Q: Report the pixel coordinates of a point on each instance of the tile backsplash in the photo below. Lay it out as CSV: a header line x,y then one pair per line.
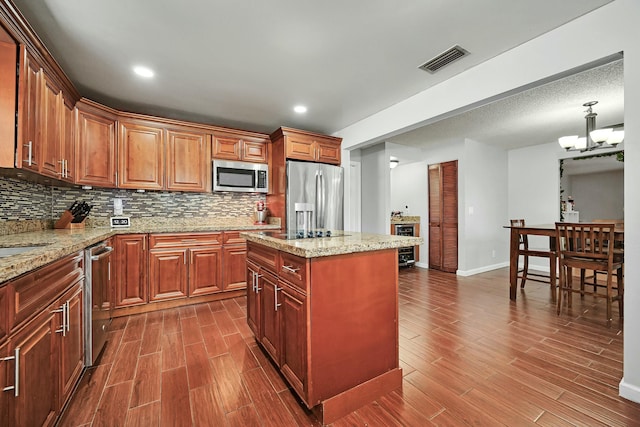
x,y
25,201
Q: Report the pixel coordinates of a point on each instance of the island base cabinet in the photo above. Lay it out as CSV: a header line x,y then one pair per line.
x,y
329,323
6,372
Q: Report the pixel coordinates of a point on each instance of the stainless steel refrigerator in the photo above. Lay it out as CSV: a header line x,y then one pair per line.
x,y
317,188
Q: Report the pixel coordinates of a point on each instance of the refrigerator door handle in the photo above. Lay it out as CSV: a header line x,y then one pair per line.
x,y
320,207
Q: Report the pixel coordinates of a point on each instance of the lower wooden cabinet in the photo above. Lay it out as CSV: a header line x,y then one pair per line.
x,y
47,349
130,261
293,311
205,271
235,260
167,274
269,315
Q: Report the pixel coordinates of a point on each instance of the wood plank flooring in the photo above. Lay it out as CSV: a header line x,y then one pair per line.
x,y
469,356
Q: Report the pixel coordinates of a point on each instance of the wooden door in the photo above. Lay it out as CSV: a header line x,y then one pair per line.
x,y
270,314
71,343
300,148
37,403
49,128
167,274
227,147
327,152
294,337
443,216
67,144
253,299
234,263
254,151
6,366
205,271
188,161
95,149
140,156
28,121
8,96
130,269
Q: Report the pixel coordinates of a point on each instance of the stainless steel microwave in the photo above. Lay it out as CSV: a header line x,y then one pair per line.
x,y
240,176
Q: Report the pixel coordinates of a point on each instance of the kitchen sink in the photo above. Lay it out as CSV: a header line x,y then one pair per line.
x,y
5,252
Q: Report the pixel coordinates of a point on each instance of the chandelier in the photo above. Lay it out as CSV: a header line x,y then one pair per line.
x,y
595,138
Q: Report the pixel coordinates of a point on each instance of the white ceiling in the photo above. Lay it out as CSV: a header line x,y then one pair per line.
x,y
246,64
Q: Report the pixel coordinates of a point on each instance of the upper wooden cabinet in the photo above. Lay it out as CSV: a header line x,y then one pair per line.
x,y
29,148
301,145
9,91
141,151
95,140
188,166
245,148
48,136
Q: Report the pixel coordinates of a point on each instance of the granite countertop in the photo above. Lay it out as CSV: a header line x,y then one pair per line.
x,y
326,246
405,220
55,244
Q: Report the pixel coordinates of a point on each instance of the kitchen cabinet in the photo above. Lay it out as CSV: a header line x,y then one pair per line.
x,y
188,165
184,265
243,148
28,143
141,152
95,142
45,341
130,261
49,137
443,216
9,60
329,324
302,145
234,255
4,314
67,145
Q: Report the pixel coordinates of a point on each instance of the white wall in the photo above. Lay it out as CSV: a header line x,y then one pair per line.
x,y
376,212
569,47
486,244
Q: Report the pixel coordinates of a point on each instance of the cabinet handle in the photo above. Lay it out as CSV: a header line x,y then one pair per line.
x,y
275,299
61,173
68,317
109,270
290,268
30,145
16,372
63,328
184,257
66,168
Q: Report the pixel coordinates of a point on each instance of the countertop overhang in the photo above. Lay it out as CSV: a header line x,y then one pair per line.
x,y
351,242
55,244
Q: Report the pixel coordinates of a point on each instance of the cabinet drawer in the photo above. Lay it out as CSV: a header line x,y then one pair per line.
x,y
234,238
34,291
177,240
265,257
293,269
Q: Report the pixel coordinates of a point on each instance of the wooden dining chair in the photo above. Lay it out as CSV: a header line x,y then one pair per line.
x,y
589,246
619,247
526,252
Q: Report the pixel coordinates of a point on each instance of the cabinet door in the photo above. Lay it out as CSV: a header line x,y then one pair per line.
x,y
270,297
253,299
37,402
227,147
294,337
254,151
328,153
234,261
67,146
130,269
205,271
300,148
95,150
71,342
167,274
6,380
140,157
188,161
49,128
30,78
4,314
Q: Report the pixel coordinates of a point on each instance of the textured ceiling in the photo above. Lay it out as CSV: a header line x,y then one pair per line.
x,y
246,64
534,116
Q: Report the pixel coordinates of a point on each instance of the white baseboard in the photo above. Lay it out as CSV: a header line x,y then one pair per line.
x,y
629,391
484,269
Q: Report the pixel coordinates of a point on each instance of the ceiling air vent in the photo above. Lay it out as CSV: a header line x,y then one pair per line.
x,y
445,58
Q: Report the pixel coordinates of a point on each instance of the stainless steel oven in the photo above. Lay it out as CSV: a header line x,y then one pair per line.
x,y
98,305
407,255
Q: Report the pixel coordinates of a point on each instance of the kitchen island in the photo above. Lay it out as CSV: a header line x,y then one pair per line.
x,y
326,312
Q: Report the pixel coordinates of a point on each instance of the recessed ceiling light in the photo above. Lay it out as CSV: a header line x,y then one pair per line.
x,y
300,109
143,71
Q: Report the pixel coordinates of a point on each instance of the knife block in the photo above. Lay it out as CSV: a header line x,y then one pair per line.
x,y
64,222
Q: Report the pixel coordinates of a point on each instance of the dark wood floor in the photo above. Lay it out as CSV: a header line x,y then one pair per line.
x,y
469,357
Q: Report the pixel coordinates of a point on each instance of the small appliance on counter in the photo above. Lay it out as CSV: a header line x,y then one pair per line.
x,y
74,216
260,213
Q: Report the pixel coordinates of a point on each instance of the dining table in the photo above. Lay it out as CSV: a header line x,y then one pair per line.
x,y
548,230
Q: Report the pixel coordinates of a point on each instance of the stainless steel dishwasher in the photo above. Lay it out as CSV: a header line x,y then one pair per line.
x,y
98,305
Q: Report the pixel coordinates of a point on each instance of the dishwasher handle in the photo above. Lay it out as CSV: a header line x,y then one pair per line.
x,y
107,250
